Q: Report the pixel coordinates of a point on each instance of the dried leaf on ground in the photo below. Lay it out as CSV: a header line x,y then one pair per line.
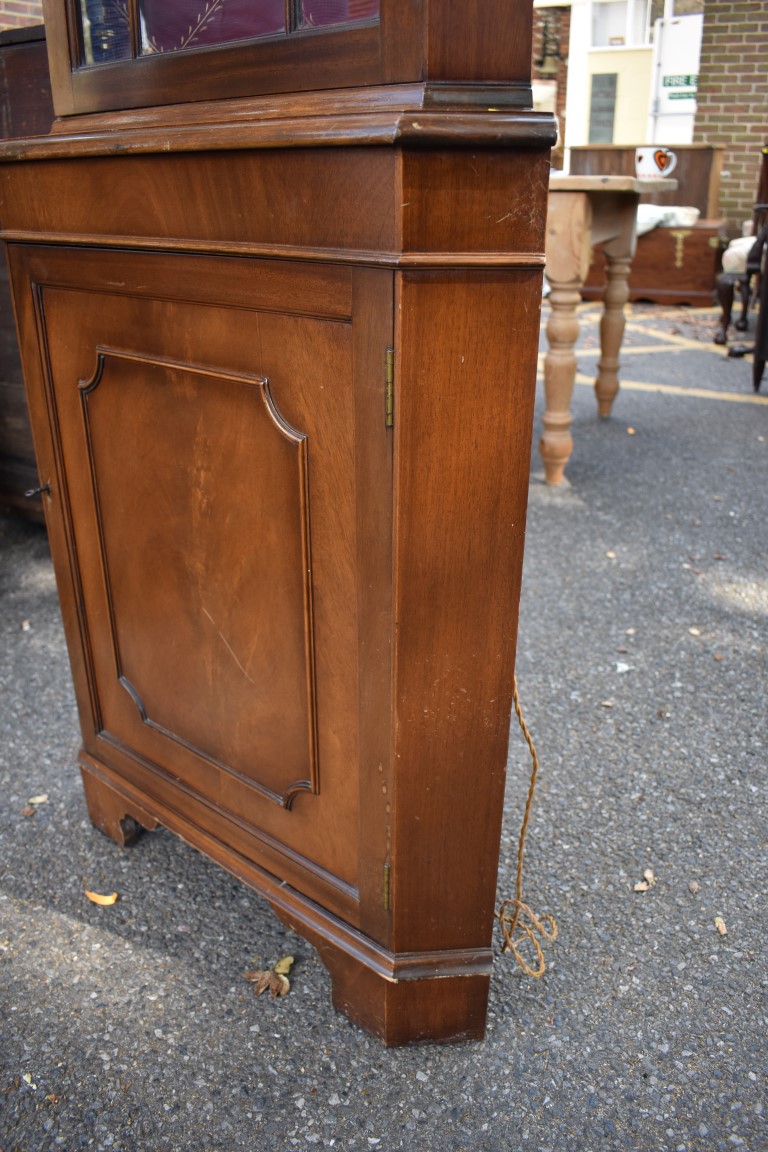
x,y
646,883
29,810
720,925
98,898
274,980
41,799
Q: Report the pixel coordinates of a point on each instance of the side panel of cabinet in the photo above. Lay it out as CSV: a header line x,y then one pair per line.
x,y
464,407
222,557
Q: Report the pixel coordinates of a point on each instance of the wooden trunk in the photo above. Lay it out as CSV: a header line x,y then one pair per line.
x,y
281,361
671,265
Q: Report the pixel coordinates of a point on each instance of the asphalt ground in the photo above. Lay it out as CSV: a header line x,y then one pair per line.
x,y
643,673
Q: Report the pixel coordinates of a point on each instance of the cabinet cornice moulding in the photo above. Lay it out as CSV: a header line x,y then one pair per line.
x,y
414,116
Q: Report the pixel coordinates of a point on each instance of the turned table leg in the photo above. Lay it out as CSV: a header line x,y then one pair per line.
x,y
611,330
556,443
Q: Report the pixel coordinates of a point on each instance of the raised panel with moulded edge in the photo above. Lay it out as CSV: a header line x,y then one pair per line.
x,y
207,455
227,617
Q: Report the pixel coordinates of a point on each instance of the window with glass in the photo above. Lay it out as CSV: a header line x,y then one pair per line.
x,y
620,23
115,30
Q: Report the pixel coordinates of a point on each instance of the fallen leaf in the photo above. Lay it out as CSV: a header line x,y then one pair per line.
x,y
695,631
694,886
647,881
277,984
42,799
97,898
27,1078
717,656
284,966
52,1099
28,811
720,925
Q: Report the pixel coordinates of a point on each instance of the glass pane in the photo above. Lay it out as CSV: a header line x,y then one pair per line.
x,y
640,30
321,13
173,25
609,23
31,15
106,34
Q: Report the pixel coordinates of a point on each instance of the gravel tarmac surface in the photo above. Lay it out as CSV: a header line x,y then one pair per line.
x,y
643,672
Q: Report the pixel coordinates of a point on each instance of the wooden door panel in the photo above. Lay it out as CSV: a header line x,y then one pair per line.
x,y
210,455
227,625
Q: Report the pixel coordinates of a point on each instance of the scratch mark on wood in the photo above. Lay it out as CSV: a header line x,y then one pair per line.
x,y
228,647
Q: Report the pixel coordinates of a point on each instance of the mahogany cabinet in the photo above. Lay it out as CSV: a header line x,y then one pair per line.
x,y
280,352
25,110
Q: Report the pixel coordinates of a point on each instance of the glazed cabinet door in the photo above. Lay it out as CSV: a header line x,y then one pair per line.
x,y
213,432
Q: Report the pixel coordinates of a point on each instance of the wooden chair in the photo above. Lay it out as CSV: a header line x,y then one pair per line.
x,y
744,273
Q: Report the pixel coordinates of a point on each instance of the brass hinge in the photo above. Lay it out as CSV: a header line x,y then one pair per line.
x,y
389,393
386,887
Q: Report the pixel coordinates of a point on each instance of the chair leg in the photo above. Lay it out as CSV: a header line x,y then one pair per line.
x,y
741,323
724,286
758,368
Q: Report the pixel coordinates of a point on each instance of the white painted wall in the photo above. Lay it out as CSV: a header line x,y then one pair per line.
x,y
676,52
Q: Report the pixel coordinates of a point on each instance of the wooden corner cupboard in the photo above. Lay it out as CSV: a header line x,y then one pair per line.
x,y
277,284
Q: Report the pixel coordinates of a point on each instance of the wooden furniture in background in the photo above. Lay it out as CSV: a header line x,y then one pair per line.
x,y
697,174
583,211
26,109
671,265
279,336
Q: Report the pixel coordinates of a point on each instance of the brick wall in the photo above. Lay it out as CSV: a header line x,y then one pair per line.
x,y
558,21
732,103
20,13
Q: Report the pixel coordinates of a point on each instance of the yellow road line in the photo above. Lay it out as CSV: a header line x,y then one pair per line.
x,y
640,349
673,338
674,390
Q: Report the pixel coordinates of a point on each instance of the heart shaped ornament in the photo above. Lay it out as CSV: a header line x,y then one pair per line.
x,y
653,162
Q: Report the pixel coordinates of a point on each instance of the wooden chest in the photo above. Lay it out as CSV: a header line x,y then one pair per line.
x,y
671,265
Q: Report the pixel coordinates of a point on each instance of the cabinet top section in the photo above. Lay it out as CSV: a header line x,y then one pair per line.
x,y
112,55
